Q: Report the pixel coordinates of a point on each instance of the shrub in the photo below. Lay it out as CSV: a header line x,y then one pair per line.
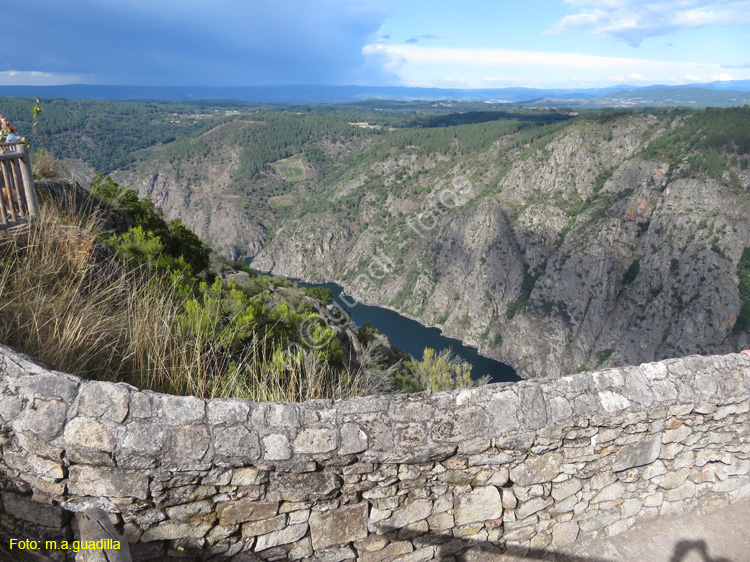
x,y
631,273
436,372
45,166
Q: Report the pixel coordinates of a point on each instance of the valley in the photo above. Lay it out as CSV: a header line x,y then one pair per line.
x,y
553,240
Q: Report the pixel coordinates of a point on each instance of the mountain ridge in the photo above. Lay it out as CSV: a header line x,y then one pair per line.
x,y
605,240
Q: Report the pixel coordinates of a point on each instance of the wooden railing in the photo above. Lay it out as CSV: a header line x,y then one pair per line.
x,y
18,200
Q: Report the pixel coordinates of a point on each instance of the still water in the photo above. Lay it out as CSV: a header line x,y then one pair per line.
x,y
413,337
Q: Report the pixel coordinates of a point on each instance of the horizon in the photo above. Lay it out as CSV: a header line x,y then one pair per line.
x,y
537,44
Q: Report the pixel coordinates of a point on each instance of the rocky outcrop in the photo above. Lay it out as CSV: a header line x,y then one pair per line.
x,y
478,472
565,253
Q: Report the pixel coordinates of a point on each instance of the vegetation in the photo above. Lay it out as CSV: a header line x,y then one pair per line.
x,y
631,273
436,372
743,272
707,138
45,165
144,307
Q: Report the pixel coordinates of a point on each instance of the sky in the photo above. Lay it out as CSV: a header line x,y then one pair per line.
x,y
427,43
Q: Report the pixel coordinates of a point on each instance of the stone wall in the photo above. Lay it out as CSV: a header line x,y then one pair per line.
x,y
446,476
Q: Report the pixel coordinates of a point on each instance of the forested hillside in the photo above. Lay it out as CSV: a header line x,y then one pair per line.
x,y
556,244
552,240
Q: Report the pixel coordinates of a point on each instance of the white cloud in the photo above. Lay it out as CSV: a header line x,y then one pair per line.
x,y
471,67
38,78
632,21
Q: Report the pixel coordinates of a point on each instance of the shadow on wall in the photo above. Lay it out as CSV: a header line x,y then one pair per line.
x,y
684,549
446,548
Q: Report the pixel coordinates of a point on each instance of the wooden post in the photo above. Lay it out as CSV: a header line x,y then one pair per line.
x,y
28,182
3,216
8,179
95,526
23,208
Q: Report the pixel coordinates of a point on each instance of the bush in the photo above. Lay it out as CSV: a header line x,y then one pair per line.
x,y
631,273
45,166
155,326
436,372
743,273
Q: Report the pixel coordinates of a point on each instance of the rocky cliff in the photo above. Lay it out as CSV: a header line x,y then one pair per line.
x,y
596,241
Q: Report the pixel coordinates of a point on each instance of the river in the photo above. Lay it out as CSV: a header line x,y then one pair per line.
x,y
413,337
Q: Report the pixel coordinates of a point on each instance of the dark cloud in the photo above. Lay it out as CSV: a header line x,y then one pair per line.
x,y
428,36
230,42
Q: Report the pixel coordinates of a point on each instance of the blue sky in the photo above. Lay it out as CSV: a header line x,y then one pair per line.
x,y
433,43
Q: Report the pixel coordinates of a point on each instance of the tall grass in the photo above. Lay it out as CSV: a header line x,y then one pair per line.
x,y
64,302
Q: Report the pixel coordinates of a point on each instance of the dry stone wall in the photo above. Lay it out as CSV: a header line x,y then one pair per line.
x,y
465,475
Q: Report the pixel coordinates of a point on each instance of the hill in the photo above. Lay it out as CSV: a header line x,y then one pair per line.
x,y
555,244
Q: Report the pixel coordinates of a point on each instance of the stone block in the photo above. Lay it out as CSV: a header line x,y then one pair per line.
x,y
391,552
536,470
42,418
187,446
26,509
143,438
107,482
243,510
54,385
406,515
104,400
481,504
503,413
248,476
565,489
169,530
677,434
685,491
178,410
228,411
263,526
315,441
460,424
560,410
640,453
532,411
90,433
190,510
353,439
288,535
276,447
612,402
338,526
283,415
27,463
532,506
236,443
306,486
599,520
671,480
610,493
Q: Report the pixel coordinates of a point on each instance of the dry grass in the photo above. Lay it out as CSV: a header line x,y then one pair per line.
x,y
92,317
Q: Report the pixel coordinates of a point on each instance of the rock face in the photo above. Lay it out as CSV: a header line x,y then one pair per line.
x,y
469,473
570,253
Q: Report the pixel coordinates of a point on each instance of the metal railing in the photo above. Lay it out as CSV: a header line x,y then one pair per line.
x,y
18,200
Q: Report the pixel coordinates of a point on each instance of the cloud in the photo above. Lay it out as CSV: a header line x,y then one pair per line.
x,y
429,36
234,42
633,21
37,78
429,66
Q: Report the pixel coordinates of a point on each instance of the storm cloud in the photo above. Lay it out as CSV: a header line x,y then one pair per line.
x,y
170,42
